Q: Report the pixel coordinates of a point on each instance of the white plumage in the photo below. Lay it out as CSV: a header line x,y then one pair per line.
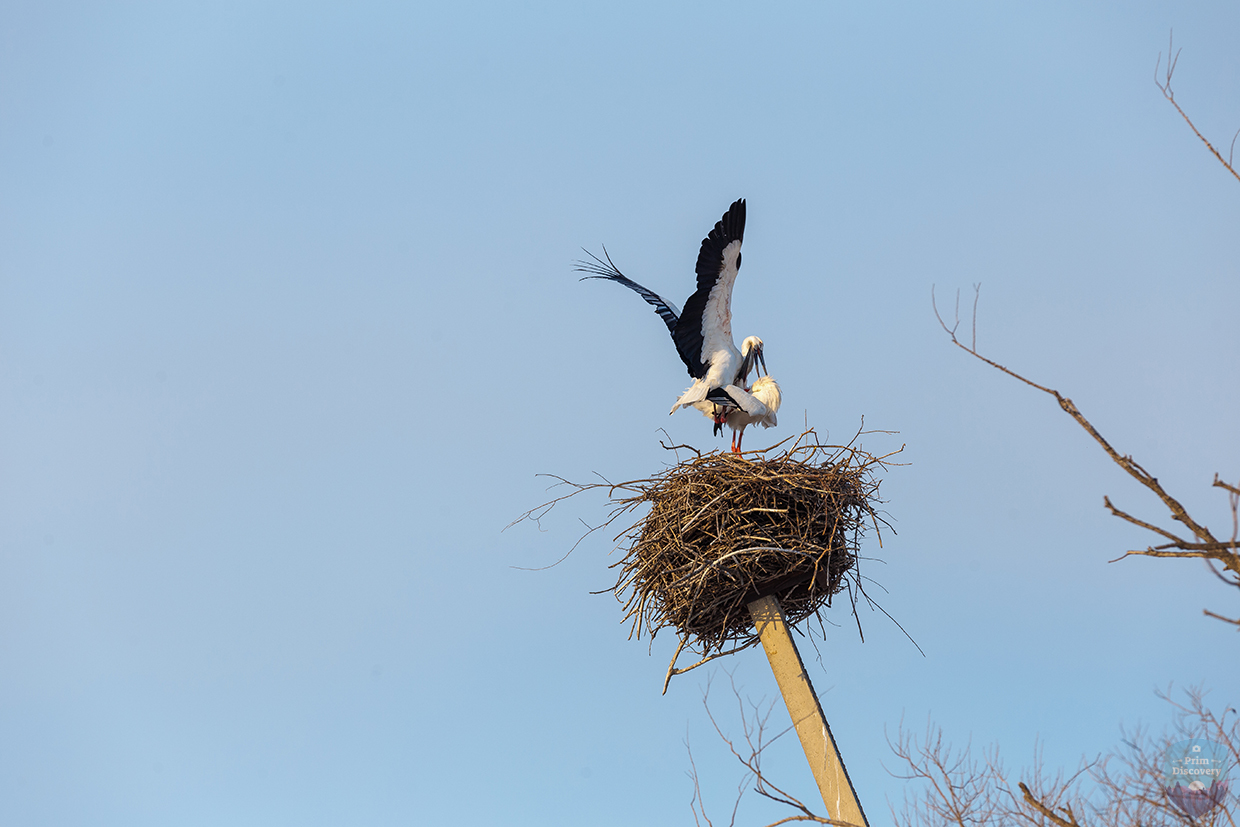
x,y
703,331
766,391
740,399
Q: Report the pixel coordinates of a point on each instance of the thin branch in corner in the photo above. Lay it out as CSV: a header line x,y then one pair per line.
x,y
1204,544
1164,86
754,719
1123,787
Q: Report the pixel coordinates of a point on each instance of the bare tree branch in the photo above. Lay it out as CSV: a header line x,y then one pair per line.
x,y
1233,621
1204,544
1164,86
755,719
1125,788
1037,804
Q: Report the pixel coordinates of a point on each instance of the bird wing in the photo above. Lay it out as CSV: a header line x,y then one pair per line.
x,y
742,399
600,269
705,326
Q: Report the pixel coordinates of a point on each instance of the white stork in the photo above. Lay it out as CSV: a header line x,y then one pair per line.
x,y
765,390
703,332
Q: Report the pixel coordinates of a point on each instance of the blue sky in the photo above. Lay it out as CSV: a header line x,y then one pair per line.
x,y
288,327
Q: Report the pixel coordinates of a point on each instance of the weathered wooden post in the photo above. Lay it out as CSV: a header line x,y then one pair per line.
x,y
811,724
723,528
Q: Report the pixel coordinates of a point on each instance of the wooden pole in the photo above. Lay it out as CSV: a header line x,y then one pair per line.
x,y
812,728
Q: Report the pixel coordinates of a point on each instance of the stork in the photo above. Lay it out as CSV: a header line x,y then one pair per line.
x,y
766,391
702,333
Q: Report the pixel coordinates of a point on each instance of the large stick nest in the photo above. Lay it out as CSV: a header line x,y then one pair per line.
x,y
724,529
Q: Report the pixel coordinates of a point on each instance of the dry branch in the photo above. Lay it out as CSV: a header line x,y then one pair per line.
x,y
754,719
1128,787
1164,86
1204,544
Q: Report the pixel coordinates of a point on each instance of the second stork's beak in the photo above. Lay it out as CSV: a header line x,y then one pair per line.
x,y
752,350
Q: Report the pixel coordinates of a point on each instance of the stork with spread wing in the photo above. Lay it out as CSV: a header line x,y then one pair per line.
x,y
702,332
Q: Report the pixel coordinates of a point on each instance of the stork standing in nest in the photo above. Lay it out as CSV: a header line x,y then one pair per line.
x,y
702,333
766,391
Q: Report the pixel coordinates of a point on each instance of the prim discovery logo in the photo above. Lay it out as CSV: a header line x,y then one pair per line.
x,y
1195,778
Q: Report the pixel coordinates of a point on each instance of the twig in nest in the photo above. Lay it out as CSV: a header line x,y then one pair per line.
x,y
725,529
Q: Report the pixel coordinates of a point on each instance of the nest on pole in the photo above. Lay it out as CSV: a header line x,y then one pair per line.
x,y
724,529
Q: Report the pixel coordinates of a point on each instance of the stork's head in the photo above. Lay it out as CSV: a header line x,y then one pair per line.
x,y
751,354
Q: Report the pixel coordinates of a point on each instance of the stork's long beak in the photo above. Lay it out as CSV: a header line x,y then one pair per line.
x,y
762,361
751,358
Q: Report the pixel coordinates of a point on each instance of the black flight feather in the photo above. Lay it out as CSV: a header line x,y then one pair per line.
x,y
600,269
720,396
688,334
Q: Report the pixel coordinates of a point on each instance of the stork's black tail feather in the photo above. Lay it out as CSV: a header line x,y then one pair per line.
x,y
722,398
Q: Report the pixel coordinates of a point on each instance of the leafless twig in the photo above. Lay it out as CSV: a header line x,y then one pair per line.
x,y
755,719
1125,788
1164,86
949,786
1204,544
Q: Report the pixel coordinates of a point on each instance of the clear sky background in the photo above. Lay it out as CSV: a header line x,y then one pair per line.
x,y
288,326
